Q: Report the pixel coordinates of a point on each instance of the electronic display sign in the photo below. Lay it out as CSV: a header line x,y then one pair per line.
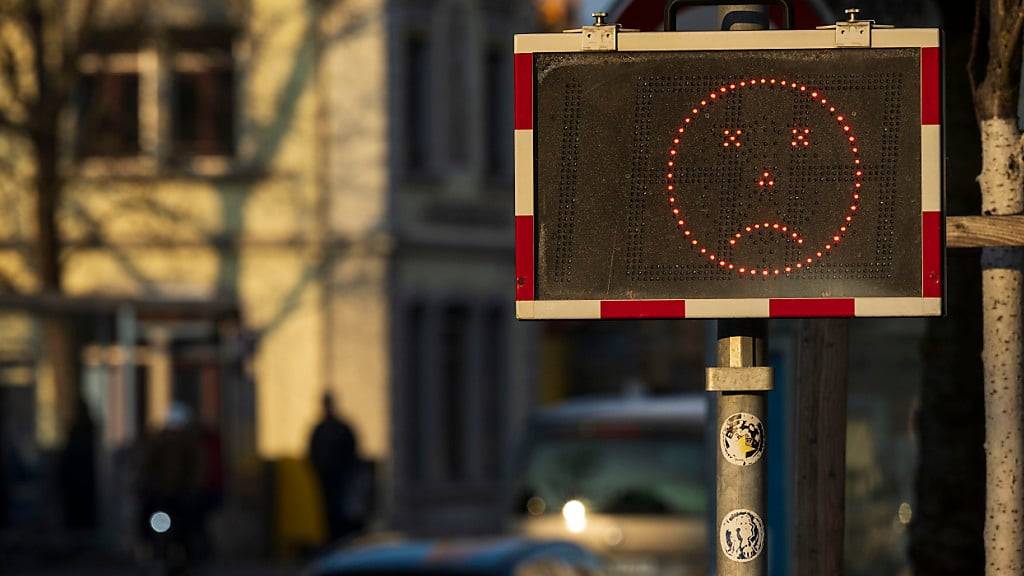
x,y
729,174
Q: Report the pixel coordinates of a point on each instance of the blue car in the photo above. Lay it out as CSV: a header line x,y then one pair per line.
x,y
496,557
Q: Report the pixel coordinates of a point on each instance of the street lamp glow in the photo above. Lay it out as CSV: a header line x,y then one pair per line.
x,y
575,515
160,522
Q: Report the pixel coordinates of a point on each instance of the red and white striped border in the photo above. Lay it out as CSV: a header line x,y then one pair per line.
x,y
722,308
930,303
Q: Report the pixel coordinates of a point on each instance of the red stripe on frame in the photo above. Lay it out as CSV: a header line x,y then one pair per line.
x,y
643,309
524,257
931,97
931,254
524,91
810,307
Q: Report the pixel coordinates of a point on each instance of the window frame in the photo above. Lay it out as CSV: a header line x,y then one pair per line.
x,y
156,59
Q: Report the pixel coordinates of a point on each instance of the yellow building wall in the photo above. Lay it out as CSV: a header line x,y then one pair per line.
x,y
263,229
354,91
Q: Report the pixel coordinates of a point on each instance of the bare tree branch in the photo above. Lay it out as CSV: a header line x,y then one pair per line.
x,y
85,24
1015,31
12,125
996,95
7,284
975,33
81,34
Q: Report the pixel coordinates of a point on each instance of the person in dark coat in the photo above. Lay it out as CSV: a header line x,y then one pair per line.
x,y
78,470
171,481
332,452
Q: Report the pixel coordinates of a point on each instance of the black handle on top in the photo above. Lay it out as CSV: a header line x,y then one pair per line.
x,y
672,6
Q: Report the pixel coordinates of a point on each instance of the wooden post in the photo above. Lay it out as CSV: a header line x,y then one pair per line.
x,y
820,447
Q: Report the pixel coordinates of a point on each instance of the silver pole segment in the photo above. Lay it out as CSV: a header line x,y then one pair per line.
x,y
741,381
741,514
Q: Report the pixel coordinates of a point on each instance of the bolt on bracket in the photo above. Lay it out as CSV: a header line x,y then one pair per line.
x,y
853,33
601,36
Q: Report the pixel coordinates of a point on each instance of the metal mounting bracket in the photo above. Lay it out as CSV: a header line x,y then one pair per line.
x,y
750,379
853,33
600,37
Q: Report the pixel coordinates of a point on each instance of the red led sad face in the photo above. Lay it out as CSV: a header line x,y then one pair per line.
x,y
786,158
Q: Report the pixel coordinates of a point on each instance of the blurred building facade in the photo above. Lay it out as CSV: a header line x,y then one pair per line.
x,y
270,199
462,369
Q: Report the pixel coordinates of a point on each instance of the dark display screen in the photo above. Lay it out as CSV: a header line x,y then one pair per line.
x,y
728,174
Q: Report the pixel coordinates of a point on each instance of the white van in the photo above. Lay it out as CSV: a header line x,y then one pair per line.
x,y
626,477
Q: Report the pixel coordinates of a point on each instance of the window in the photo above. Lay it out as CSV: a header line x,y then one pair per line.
x,y
124,90
458,84
203,95
415,342
493,385
498,112
108,106
417,104
650,472
455,322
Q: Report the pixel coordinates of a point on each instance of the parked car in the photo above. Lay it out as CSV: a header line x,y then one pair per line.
x,y
625,477
492,557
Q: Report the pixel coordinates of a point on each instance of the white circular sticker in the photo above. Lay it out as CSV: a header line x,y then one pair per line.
x,y
742,439
742,535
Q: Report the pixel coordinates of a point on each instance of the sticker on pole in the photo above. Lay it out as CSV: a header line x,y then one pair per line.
x,y
742,535
742,439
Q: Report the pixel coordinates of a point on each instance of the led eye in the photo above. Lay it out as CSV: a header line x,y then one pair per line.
x,y
732,137
799,137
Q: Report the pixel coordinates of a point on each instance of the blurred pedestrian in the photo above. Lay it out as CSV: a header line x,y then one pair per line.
x,y
3,466
172,484
332,451
213,470
77,470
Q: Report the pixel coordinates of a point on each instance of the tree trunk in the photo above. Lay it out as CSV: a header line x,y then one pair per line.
x,y
57,331
1002,192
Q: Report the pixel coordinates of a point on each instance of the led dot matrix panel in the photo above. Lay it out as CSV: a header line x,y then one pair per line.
x,y
753,174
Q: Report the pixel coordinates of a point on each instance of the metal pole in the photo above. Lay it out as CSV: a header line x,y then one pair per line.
x,y
741,379
741,513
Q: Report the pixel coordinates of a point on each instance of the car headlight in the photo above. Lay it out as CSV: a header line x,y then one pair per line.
x,y
575,515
